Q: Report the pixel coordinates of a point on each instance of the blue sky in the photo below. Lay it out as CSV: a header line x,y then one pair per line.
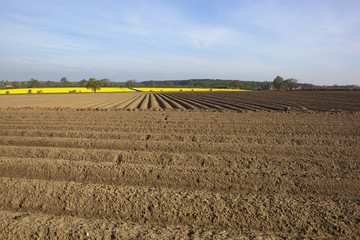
x,y
314,41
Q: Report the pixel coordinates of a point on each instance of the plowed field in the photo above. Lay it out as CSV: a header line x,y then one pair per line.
x,y
226,165
237,101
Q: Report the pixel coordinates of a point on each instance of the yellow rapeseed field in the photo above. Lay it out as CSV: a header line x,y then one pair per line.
x,y
105,89
63,90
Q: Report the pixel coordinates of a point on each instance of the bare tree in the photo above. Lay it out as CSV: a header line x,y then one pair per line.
x,y
130,83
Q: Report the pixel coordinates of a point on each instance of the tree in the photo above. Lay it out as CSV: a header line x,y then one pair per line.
x,y
94,84
278,83
6,83
169,84
236,84
83,83
15,84
291,83
151,83
130,83
23,84
33,83
64,81
106,82
50,83
190,83
205,84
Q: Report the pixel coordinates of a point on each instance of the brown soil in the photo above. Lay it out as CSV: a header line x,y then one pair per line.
x,y
68,171
238,101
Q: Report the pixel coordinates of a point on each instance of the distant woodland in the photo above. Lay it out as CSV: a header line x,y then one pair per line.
x,y
277,84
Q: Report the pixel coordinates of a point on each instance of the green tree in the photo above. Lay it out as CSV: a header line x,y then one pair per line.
x,y
83,83
236,84
151,83
33,83
205,84
6,83
15,84
106,82
169,84
94,84
190,83
291,83
23,84
50,83
130,83
278,83
64,82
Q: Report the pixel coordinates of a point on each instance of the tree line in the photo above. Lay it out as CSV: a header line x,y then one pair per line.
x,y
277,84
190,83
34,83
207,83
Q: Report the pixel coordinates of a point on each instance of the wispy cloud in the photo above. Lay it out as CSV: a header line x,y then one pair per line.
x,y
22,37
208,37
159,39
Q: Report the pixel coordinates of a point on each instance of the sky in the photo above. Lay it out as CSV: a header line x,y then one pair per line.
x,y
314,41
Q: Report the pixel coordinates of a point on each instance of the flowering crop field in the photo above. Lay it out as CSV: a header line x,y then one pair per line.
x,y
180,165
107,89
62,90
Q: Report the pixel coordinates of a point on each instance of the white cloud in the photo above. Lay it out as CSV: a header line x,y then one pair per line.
x,y
22,37
160,39
209,37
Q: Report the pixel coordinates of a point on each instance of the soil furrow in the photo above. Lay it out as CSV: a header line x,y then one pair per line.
x,y
214,104
26,225
194,103
327,101
181,207
180,147
73,154
225,106
162,103
172,127
320,184
153,103
235,162
173,104
135,103
248,105
245,138
93,166
124,102
145,102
